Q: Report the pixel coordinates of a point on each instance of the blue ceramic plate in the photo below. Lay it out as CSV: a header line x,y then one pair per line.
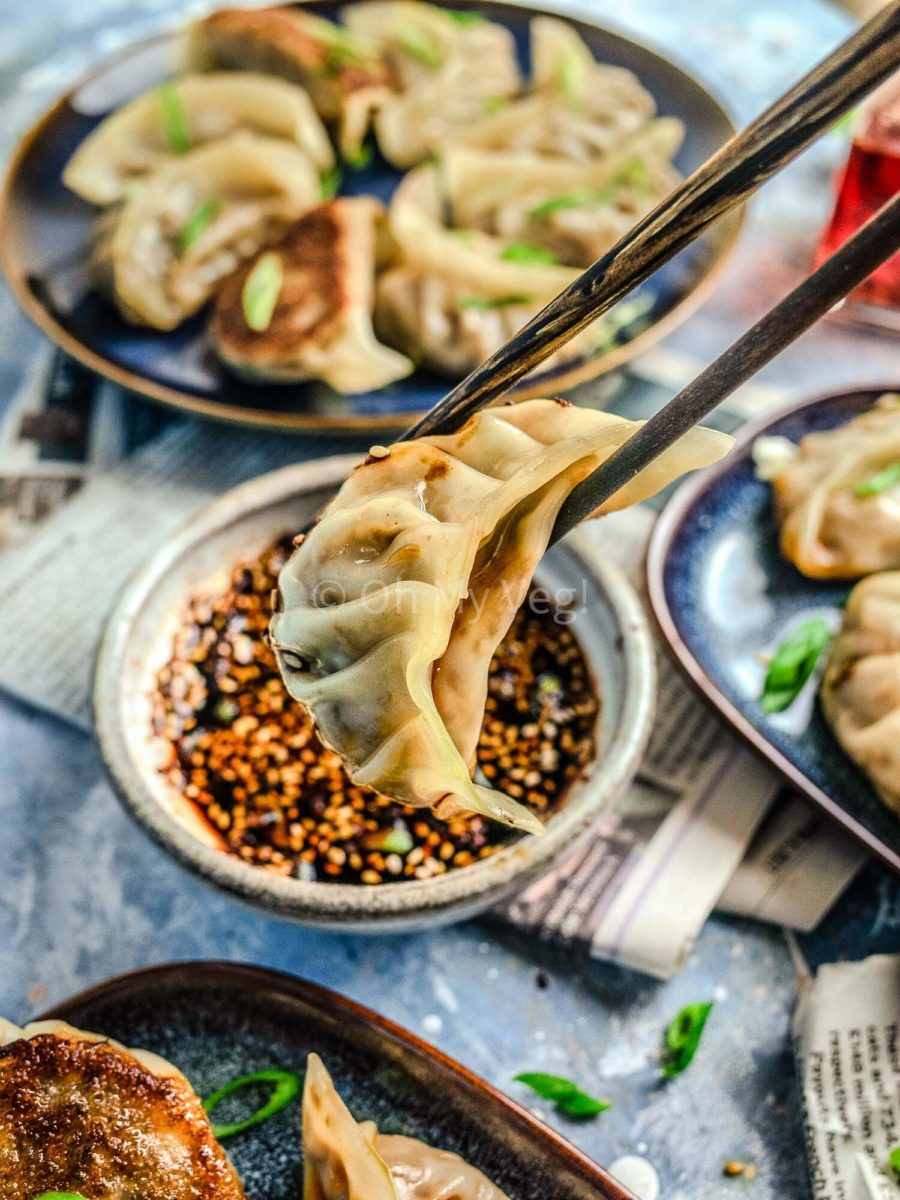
x,y
723,598
218,1021
45,236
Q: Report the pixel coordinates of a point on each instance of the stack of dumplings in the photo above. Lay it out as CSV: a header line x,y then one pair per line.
x,y
512,187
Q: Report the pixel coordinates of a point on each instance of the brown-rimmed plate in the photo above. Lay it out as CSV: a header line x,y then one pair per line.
x,y
45,235
217,1021
723,598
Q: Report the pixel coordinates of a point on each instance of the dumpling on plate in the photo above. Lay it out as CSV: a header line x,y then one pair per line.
x,y
176,117
341,70
837,495
860,690
392,606
577,108
445,66
346,1160
196,219
80,1113
572,212
319,319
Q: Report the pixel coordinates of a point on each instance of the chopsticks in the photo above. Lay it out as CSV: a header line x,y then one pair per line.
x,y
871,245
724,181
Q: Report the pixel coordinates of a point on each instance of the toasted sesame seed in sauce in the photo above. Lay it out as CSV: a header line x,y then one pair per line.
x,y
246,754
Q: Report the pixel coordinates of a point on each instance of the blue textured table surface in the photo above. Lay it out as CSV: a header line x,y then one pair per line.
x,y
84,895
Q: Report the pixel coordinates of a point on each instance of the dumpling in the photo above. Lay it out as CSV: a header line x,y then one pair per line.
x,y
578,109
860,689
837,496
321,324
445,66
341,70
391,608
572,212
344,1160
80,1113
169,120
196,219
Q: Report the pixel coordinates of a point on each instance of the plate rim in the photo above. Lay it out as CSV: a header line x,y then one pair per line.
x,y
347,424
658,549
250,977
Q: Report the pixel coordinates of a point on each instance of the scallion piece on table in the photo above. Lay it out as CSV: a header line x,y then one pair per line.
x,y
682,1037
261,290
792,664
566,1095
174,118
285,1088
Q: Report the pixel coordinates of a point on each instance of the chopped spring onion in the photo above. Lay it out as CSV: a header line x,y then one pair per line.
x,y
494,103
418,44
572,76
174,118
330,183
359,159
792,664
528,255
286,1088
261,290
566,1095
894,1162
682,1037
486,304
882,481
464,16
198,222
60,1196
632,174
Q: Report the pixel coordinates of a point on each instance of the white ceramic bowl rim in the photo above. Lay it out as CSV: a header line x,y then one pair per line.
x,y
356,904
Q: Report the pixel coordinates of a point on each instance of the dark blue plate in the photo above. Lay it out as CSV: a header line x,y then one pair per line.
x,y
723,597
45,235
218,1021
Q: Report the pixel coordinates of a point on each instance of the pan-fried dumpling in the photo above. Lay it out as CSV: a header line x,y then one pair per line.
x,y
81,1113
391,608
196,219
341,70
577,109
321,324
344,1160
860,690
445,65
837,495
169,120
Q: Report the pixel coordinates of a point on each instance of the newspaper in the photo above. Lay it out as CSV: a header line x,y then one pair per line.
x,y
704,822
847,1046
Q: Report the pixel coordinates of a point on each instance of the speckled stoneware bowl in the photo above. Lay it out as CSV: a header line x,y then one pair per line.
x,y
608,620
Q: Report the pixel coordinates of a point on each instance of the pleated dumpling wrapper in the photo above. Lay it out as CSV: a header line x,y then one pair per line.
x,y
166,122
837,494
346,1160
196,219
391,608
81,1113
860,690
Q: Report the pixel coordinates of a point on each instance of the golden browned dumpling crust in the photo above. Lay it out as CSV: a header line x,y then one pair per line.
x,y
90,1117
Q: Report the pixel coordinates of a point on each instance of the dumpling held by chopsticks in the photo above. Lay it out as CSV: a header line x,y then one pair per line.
x,y
392,607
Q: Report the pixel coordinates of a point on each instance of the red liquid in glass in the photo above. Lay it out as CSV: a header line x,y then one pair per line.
x,y
870,179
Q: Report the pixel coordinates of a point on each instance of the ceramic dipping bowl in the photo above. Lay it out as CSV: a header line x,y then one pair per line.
x,y
608,621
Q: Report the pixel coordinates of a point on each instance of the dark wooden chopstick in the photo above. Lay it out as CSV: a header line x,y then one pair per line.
x,y
723,182
871,245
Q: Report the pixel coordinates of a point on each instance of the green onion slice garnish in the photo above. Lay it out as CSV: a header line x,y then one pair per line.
x,y
486,303
633,174
285,1087
417,44
463,16
528,255
261,290
360,158
198,221
174,118
682,1037
881,481
792,664
330,183
566,1095
894,1163
60,1196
